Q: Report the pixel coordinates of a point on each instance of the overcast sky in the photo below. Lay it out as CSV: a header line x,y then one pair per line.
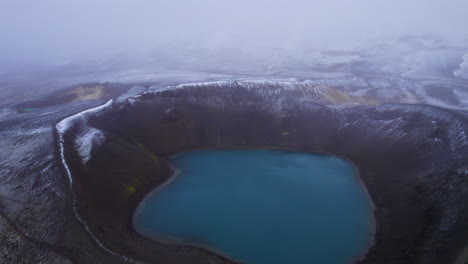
x,y
48,30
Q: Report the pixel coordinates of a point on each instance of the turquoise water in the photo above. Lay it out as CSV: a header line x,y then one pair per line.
x,y
263,207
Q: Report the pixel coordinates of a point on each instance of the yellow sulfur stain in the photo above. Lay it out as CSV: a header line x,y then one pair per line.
x,y
152,155
88,93
129,190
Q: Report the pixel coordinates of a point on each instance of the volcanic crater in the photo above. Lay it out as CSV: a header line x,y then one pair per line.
x,y
411,158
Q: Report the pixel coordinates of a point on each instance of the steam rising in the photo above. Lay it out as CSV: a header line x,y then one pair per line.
x,y
57,30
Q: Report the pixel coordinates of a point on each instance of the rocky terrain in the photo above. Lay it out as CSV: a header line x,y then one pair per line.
x,y
412,159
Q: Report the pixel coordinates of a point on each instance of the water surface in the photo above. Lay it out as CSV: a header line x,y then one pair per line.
x,y
262,207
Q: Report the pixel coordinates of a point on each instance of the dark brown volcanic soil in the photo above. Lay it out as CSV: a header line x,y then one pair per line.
x,y
410,158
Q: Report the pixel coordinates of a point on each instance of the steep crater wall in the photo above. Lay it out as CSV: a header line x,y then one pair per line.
x,y
411,158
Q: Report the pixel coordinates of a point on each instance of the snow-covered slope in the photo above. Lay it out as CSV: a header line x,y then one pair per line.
x,y
462,72
410,56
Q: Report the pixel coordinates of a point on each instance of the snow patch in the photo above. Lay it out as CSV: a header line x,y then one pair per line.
x,y
134,91
462,72
85,142
409,56
66,123
5,112
289,84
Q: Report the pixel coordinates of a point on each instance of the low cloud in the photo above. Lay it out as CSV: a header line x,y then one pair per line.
x,y
57,30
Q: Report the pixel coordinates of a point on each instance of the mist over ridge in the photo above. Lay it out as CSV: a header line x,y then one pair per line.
x,y
55,32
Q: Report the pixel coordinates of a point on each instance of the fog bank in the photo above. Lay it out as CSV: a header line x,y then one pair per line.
x,y
57,31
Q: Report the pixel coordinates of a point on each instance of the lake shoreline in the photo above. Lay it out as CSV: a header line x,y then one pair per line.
x,y
174,241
